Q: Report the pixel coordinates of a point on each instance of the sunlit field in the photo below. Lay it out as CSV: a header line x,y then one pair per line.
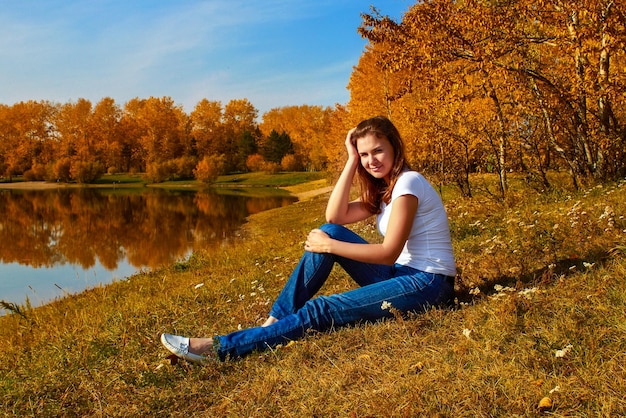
x,y
538,327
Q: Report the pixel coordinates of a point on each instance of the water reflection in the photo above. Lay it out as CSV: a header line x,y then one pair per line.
x,y
88,228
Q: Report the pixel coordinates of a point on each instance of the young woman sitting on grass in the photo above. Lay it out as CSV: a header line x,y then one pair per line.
x,y
412,269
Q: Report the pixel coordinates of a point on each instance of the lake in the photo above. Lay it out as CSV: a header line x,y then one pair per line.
x,y
62,241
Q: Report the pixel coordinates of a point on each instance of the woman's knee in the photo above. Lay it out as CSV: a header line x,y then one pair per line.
x,y
341,233
333,229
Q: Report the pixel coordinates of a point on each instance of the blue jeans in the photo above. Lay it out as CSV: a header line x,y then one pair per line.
x,y
404,288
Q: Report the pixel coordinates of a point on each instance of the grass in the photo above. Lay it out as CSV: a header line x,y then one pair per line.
x,y
541,310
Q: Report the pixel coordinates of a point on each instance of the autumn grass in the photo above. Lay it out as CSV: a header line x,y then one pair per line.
x,y
542,299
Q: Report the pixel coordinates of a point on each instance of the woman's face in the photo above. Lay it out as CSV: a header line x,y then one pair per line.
x,y
376,156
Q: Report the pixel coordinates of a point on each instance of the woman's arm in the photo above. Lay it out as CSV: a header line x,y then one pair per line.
x,y
398,230
340,210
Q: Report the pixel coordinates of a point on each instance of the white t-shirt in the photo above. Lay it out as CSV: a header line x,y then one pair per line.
x,y
429,247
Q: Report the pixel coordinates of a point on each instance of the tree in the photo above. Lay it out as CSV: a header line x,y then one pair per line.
x,y
26,130
159,126
276,146
239,117
307,127
206,127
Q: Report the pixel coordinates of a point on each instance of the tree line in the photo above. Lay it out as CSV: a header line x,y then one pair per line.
x,y
474,86
78,141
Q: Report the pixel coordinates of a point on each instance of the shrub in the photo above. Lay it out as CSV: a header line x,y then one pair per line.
x,y
60,170
290,163
36,173
160,172
255,162
272,168
86,171
185,167
209,168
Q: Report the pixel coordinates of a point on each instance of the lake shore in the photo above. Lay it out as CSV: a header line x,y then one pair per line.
x,y
38,185
44,185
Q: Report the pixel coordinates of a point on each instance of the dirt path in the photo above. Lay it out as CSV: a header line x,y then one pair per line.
x,y
312,193
35,185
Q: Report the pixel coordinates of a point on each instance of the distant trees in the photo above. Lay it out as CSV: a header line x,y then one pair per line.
x,y
79,142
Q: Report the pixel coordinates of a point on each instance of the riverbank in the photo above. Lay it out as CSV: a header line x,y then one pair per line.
x,y
309,190
255,179
542,317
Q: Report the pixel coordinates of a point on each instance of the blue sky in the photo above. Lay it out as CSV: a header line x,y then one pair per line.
x,y
272,52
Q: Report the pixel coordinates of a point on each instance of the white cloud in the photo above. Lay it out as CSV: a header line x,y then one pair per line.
x,y
274,52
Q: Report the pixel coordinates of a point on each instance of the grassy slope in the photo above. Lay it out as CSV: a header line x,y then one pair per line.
x,y
560,259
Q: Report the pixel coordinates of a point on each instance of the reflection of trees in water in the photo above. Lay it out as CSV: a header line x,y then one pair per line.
x,y
80,226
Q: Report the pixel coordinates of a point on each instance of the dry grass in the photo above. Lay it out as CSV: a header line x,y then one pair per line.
x,y
558,260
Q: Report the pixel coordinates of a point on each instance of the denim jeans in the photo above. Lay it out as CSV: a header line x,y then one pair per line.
x,y
403,288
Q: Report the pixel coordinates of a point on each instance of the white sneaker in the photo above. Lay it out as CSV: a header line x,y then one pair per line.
x,y
179,346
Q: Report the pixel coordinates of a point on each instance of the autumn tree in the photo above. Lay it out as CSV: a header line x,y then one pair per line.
x,y
160,127
240,126
307,127
25,137
207,127
107,132
515,56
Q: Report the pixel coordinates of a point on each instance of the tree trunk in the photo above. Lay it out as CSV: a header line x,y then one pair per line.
x,y
550,131
502,139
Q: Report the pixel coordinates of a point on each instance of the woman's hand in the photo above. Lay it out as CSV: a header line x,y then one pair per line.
x,y
318,241
353,154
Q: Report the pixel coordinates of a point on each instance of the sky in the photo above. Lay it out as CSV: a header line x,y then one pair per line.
x,y
274,53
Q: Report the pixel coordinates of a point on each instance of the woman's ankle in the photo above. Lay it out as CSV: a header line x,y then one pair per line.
x,y
269,321
200,345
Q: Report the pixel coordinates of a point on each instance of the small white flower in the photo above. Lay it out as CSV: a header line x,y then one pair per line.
x,y
475,291
527,293
562,353
385,306
466,333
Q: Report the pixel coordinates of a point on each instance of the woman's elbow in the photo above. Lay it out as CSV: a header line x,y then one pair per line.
x,y
333,218
389,258
389,261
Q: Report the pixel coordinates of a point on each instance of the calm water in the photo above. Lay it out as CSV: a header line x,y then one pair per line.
x,y
54,242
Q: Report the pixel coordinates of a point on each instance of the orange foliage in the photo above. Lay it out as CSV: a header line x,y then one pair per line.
x,y
472,85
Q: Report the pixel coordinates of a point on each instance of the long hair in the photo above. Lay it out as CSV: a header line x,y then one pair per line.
x,y
373,190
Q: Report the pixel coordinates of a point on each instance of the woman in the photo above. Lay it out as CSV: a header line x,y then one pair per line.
x,y
412,269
